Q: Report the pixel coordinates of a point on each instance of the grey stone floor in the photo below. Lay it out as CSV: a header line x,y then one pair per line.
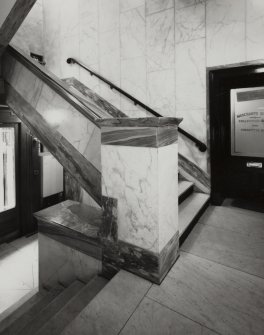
x,y
216,286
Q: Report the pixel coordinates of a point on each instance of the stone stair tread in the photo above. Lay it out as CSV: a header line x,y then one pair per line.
x,y
24,314
51,309
189,208
184,186
109,311
59,321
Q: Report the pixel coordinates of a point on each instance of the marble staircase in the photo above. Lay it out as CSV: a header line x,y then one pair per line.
x,y
49,312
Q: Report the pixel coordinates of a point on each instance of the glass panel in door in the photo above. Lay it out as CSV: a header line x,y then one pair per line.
x,y
7,169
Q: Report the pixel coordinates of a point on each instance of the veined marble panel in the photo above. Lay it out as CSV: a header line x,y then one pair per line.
x,y
69,47
89,27
130,175
108,15
161,91
132,33
75,127
59,263
168,193
134,81
225,32
51,35
254,28
130,4
190,23
153,6
69,18
109,64
29,36
190,70
186,3
160,40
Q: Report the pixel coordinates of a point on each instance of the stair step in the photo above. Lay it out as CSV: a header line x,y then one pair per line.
x,y
190,211
70,311
51,309
20,307
28,311
185,188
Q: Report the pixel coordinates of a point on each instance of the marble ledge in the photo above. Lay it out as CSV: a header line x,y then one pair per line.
x,y
140,122
73,215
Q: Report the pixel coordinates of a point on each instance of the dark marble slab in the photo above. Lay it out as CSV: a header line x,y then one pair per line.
x,y
18,13
154,137
79,217
110,109
72,187
142,262
199,177
70,158
140,122
109,227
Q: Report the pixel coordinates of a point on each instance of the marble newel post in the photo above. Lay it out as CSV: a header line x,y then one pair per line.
x,y
140,195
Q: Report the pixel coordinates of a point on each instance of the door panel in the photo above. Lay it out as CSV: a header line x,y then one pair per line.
x,y
234,175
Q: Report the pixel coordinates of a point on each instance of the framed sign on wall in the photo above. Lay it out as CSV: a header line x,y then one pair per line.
x,y
247,121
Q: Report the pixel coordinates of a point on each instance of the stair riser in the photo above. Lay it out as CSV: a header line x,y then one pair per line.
x,y
192,224
185,195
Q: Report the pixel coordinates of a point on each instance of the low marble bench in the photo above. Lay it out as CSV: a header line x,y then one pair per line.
x,y
69,243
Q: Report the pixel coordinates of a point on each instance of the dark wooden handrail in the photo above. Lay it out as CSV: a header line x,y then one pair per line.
x,y
201,146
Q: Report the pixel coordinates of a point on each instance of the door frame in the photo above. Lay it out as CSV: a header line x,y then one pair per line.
x,y
216,130
24,175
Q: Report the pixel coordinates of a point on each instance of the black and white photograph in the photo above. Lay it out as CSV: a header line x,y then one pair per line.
x,y
131,167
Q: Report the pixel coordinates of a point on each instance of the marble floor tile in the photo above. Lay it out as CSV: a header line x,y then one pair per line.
x,y
218,297
239,251
151,318
230,237
238,220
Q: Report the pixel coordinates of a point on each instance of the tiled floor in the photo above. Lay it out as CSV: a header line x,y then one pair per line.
x,y
216,286
18,270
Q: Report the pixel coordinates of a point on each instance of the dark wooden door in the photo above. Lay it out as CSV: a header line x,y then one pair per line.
x,y
235,175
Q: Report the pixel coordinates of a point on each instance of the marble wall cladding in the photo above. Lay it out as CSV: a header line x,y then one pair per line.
x,y
190,75
29,36
189,23
153,6
59,263
161,92
160,40
158,50
132,33
255,28
225,32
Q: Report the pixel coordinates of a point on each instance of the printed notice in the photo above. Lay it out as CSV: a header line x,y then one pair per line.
x,y
247,122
